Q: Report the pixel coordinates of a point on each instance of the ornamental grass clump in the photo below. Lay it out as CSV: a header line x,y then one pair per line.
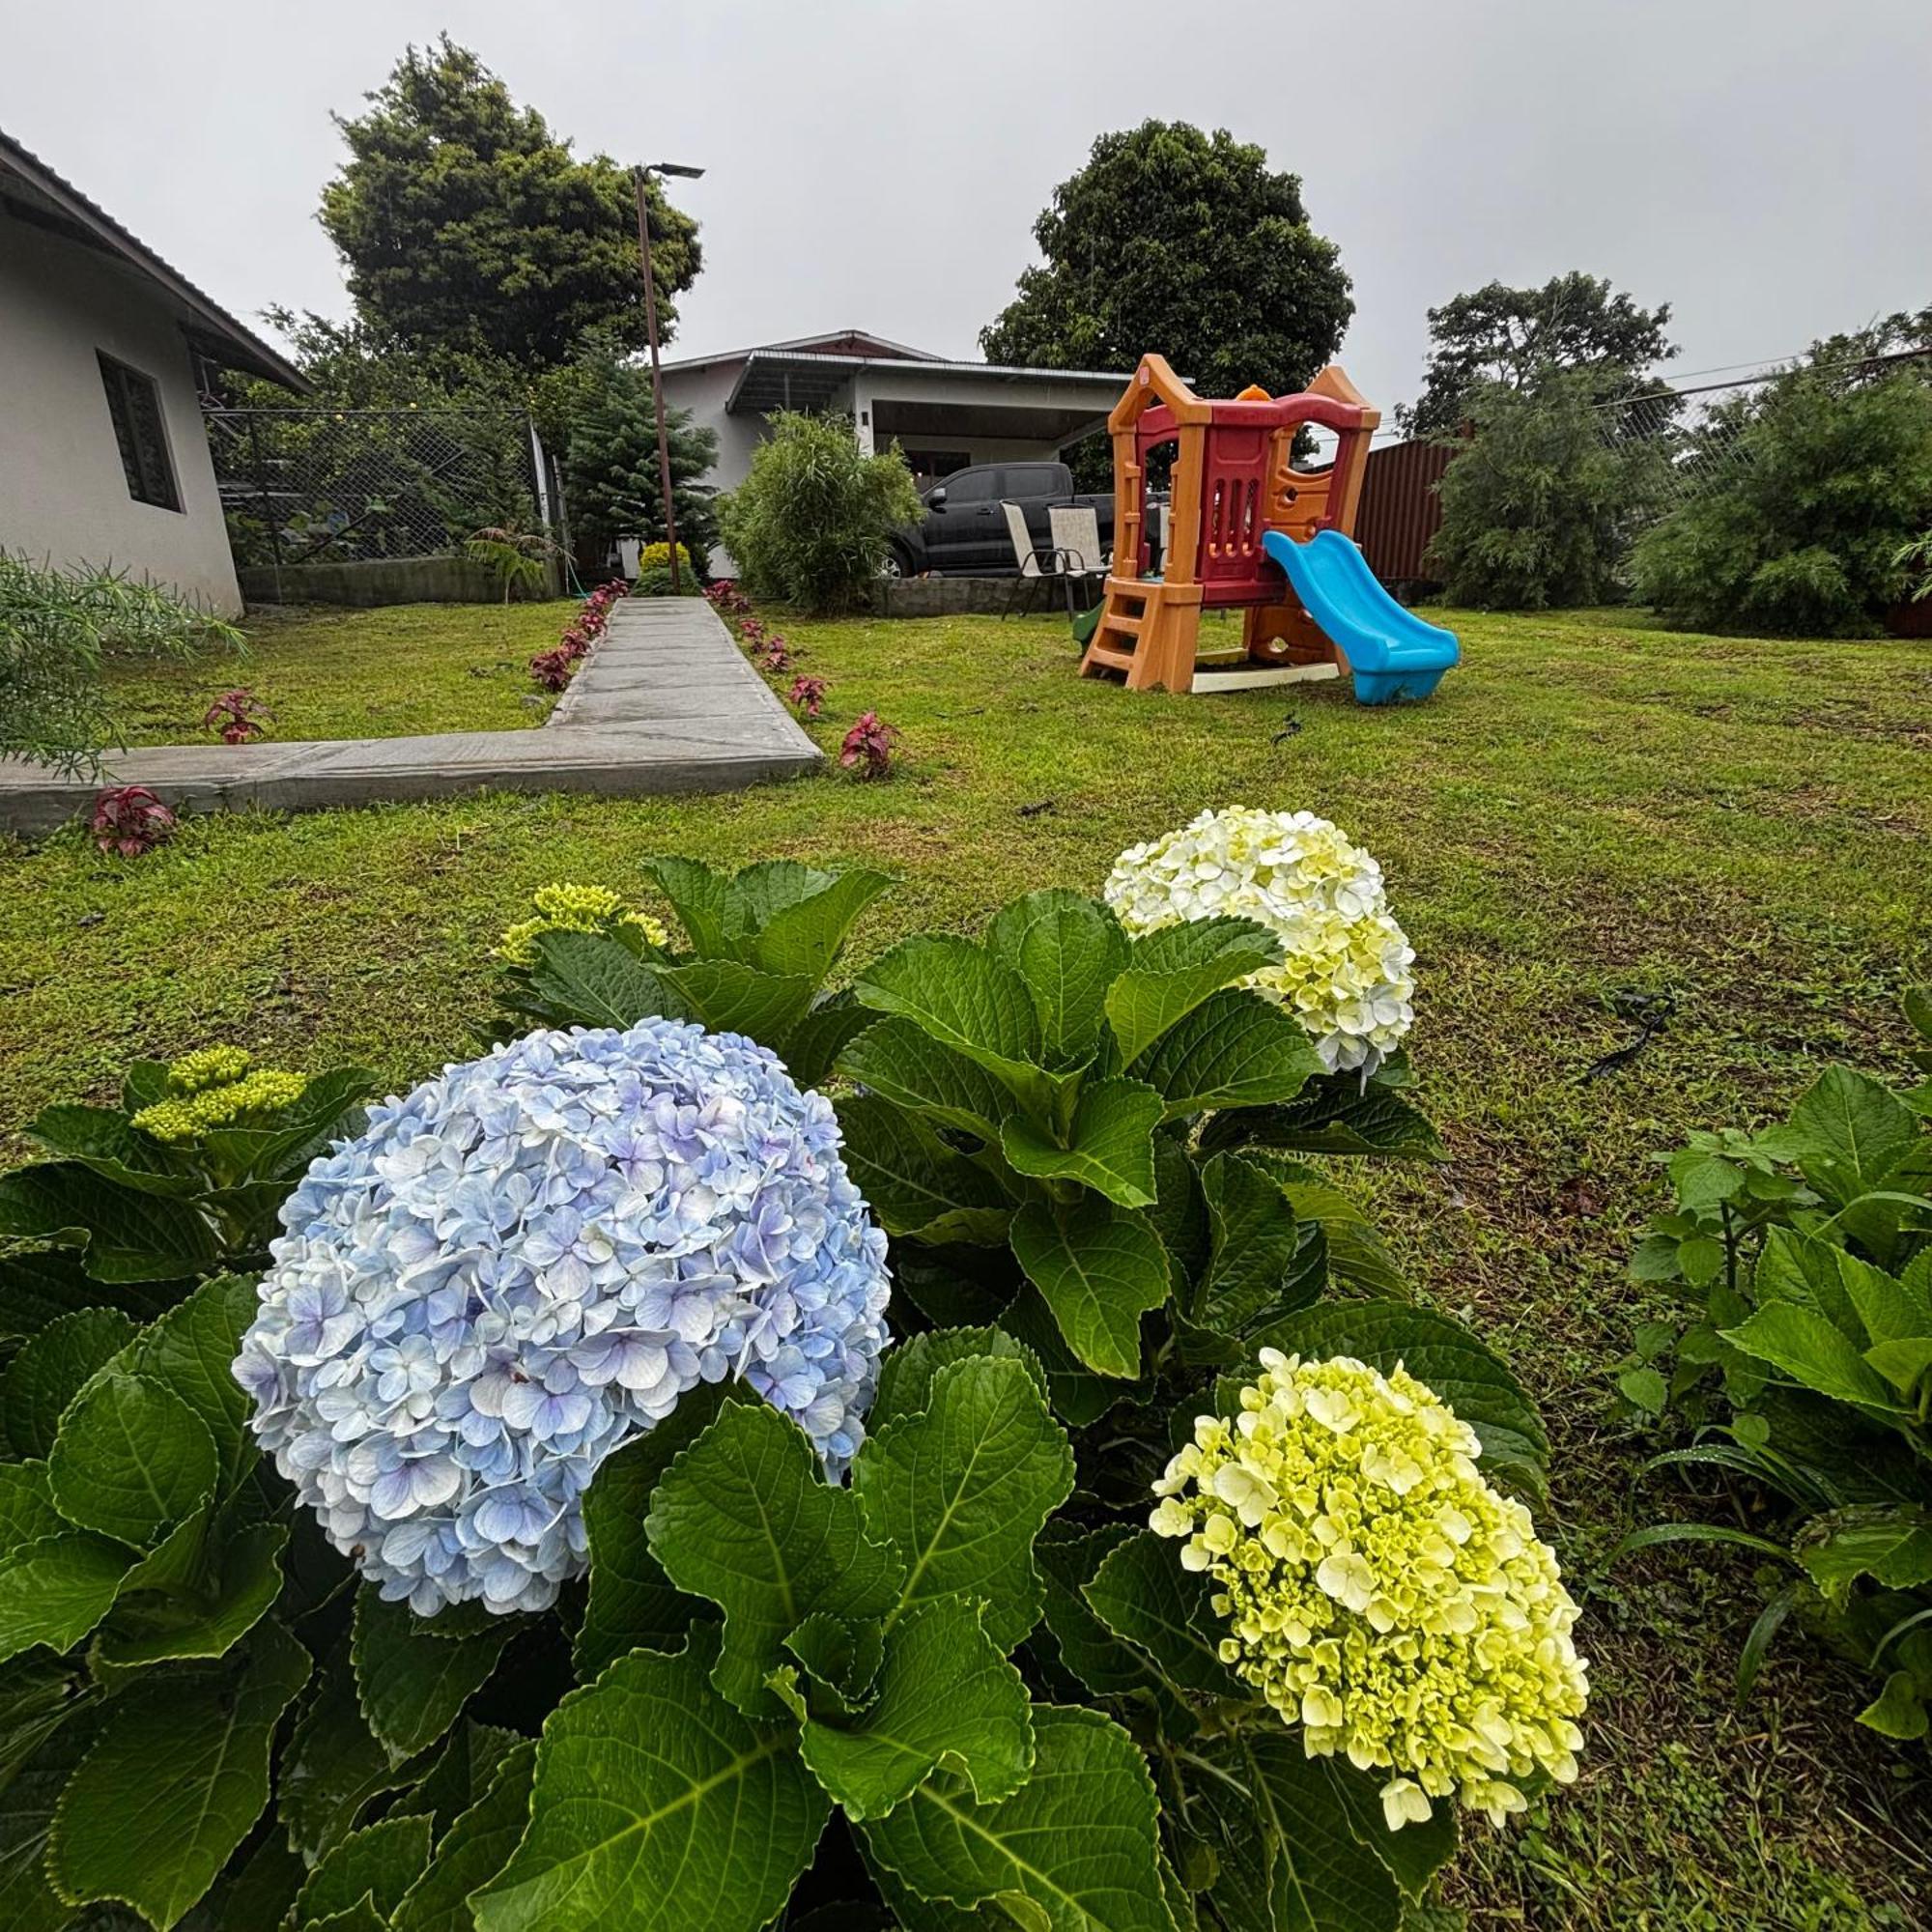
x,y
528,1262
565,907
1378,1591
1345,967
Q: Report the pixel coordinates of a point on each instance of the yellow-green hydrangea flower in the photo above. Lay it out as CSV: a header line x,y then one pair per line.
x,y
214,1087
1346,966
574,908
1378,1591
208,1066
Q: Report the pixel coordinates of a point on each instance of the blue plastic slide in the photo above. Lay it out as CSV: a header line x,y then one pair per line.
x,y
1391,652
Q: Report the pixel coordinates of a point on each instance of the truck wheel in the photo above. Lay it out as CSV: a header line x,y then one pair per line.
x,y
897,565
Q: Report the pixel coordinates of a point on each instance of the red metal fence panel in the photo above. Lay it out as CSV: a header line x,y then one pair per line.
x,y
1400,510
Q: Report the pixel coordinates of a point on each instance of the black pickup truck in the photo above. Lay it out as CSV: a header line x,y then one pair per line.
x,y
963,532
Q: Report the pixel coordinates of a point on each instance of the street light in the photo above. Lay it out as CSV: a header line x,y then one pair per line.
x,y
643,175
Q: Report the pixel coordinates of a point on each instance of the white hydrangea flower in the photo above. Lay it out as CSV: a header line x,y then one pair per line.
x,y
1346,974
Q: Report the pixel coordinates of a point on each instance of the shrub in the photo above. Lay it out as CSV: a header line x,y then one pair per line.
x,y
1537,508
1085,1150
1800,527
807,694
654,580
129,820
867,749
1805,1255
57,628
812,522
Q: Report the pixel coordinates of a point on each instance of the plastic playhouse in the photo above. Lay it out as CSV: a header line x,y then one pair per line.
x,y
1248,530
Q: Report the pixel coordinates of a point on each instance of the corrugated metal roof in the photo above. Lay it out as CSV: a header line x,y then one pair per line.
x,y
817,375
228,340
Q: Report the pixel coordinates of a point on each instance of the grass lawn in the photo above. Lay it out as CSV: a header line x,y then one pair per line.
x,y
1588,808
333,673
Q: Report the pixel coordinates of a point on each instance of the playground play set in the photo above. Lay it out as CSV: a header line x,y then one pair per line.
x,y
1248,530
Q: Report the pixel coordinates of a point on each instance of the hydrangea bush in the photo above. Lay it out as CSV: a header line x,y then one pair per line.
x,y
601,1317
1344,965
531,1259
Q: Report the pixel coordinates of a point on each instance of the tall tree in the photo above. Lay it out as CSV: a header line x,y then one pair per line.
x,y
610,465
462,221
1512,336
1185,244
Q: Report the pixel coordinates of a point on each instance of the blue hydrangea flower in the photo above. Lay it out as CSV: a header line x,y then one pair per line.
x,y
525,1263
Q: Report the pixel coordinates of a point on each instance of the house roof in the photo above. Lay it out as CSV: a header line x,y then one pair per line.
x,y
806,379
32,191
860,344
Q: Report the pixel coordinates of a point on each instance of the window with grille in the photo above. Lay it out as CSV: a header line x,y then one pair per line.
x,y
135,405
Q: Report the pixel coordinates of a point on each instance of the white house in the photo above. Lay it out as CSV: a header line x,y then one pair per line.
x,y
103,458
943,414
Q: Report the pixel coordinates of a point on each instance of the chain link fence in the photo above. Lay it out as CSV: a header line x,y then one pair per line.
x,y
306,485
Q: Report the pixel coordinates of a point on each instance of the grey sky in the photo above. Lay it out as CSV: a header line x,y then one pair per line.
x,y
1764,165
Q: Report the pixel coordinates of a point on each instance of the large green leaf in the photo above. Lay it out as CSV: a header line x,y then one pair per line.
x,y
1073,1850
131,1459
34,1786
906,1373
1107,1664
334,1763
1338,1114
1810,1348
148,1629
379,1862
474,1850
1891,1546
1236,1049
190,1348
1355,1250
107,1141
131,1235
1169,973
589,979
903,1063
812,1048
913,1182
746,1518
712,909
1845,1134
726,996
39,1286
945,1696
412,1686
1417,1853
1069,950
803,934
1108,1147
55,1589
960,1489
658,1804
632,1603
1253,1242
1470,1378
1100,1270
27,1510
51,1369
1143,1595
1794,1268
1079,1396
331,1107
177,1778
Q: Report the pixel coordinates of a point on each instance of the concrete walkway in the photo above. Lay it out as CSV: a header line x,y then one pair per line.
x,y
666,703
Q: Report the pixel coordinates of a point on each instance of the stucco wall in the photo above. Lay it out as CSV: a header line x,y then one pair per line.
x,y
63,494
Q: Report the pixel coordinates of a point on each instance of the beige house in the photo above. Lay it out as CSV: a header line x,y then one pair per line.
x,y
104,459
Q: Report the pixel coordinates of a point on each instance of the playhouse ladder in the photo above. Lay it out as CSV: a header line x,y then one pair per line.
x,y
1148,631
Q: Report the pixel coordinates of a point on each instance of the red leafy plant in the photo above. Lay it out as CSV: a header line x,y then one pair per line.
x,y
774,654
867,749
552,668
807,694
238,714
726,599
129,820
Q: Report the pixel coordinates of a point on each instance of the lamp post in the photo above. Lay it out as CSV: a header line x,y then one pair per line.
x,y
643,176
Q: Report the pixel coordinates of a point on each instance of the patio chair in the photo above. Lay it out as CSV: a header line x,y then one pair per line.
x,y
1033,569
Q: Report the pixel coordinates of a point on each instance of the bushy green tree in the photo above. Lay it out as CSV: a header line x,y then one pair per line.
x,y
611,466
1818,483
1186,243
462,220
1514,337
811,523
1538,506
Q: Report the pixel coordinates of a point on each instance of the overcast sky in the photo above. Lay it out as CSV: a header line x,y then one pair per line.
x,y
1763,166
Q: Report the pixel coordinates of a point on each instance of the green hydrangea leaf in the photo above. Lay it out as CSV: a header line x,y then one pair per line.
x,y
746,1518
1069,950
1099,1269
1110,1146
1143,1595
726,996
945,1696
460,1774
906,1373
912,1183
1067,1556
38,1285
149,1630
1899,1711
334,1763
188,1350
654,1798
1253,1240
803,935
106,1141
709,905
34,1784
1891,1546
54,1590
1437,1351
821,1034
960,1490
633,1605
1169,973
474,1850
27,1510
412,1688
176,1779
1356,1254
1236,1049
900,1062
131,1459
841,1657
50,1370
1814,1350
380,1863
131,1235
588,979
1412,1856
1336,1113
1845,1134
1073,1850
1079,1397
